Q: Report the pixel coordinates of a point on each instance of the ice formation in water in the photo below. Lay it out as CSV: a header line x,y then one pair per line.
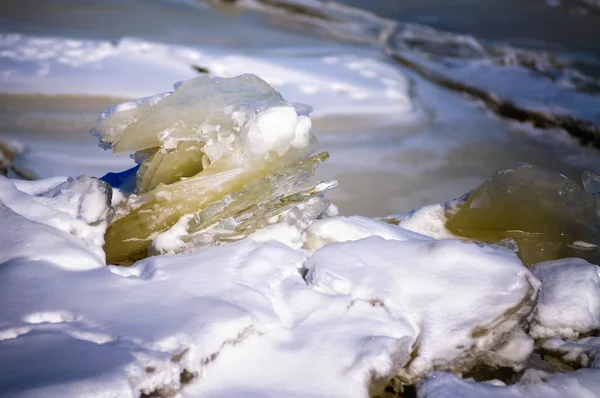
x,y
218,159
548,215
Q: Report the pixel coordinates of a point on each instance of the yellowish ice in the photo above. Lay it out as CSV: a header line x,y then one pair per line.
x,y
226,156
548,215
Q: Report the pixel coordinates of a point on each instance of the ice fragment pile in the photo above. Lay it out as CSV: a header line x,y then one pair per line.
x,y
218,158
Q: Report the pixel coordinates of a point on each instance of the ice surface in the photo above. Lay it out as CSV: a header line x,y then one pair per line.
x,y
514,83
334,80
569,301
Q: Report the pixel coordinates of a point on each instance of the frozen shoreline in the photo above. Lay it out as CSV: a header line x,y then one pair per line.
x,y
377,121
312,304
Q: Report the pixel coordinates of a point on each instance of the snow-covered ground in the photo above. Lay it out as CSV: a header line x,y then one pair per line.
x,y
265,317
335,309
246,318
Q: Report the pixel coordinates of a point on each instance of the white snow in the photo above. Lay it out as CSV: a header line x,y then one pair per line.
x,y
584,383
458,303
286,312
134,68
282,232
428,220
328,346
342,229
569,302
68,220
568,305
276,129
170,305
582,353
251,318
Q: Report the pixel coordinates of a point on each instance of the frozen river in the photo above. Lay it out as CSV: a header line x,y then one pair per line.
x,y
397,138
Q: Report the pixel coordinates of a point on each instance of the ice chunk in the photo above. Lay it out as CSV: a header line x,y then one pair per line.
x,y
436,285
167,167
569,301
231,152
219,112
225,189
546,213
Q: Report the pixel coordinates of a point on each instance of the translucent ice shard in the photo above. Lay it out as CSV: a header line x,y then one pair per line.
x,y
223,155
549,215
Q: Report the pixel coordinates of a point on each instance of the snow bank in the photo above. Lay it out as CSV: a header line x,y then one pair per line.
x,y
581,353
436,286
569,302
246,318
62,222
427,220
584,383
343,229
327,346
568,305
164,315
204,110
534,383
